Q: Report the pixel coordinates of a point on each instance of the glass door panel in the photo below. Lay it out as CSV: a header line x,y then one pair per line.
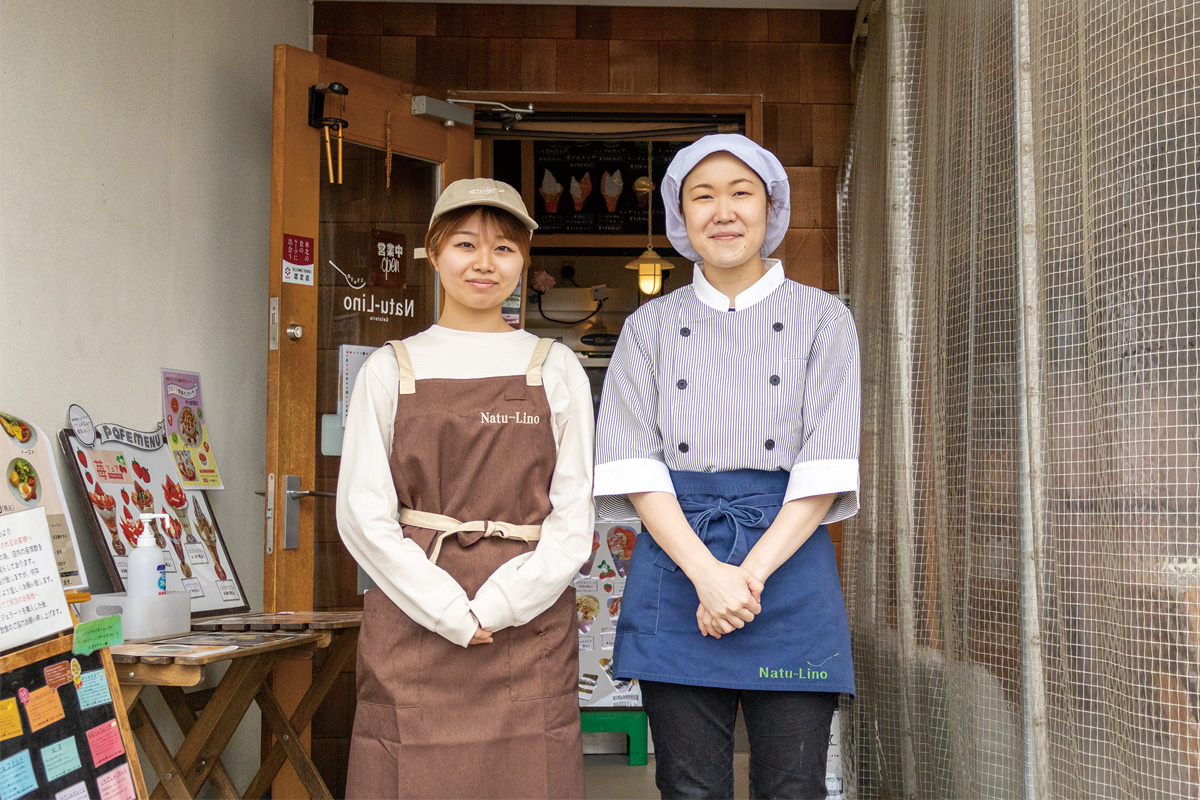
x,y
370,290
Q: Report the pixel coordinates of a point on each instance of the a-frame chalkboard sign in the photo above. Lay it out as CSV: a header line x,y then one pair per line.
x,y
63,730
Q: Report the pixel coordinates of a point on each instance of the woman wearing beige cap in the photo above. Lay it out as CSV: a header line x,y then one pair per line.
x,y
465,493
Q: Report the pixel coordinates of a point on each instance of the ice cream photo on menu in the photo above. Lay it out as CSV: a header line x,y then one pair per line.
x,y
580,189
611,187
551,190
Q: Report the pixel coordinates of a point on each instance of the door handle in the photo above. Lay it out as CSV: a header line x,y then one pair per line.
x,y
292,495
298,494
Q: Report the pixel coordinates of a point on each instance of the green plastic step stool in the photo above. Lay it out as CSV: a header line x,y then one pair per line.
x,y
627,721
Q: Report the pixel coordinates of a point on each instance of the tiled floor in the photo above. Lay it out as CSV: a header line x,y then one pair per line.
x,y
609,777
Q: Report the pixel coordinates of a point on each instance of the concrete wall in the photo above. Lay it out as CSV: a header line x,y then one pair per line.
x,y
134,192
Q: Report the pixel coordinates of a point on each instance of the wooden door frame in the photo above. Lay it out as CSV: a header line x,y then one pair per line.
x,y
295,209
748,104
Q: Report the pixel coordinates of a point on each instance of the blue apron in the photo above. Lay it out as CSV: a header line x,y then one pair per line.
x,y
800,641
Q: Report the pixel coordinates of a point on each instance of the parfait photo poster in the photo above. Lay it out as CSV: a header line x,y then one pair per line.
x,y
187,430
126,473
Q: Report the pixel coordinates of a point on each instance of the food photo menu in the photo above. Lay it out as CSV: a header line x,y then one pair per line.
x,y
125,473
599,589
31,481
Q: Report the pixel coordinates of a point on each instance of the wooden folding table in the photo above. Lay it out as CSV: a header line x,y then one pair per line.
x,y
253,644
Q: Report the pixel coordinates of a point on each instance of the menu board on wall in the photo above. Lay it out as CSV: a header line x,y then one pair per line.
x,y
599,589
589,187
126,473
32,481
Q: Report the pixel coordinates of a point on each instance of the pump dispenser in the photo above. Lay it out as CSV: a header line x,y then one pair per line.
x,y
147,576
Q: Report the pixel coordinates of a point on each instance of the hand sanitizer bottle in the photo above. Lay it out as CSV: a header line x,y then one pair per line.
x,y
147,565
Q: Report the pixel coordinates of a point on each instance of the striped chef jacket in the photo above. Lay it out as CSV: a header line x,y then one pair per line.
x,y
770,384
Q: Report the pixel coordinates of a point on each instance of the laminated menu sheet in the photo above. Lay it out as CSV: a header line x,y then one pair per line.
x,y
31,480
599,588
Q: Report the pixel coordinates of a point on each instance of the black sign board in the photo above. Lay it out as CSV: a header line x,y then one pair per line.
x,y
61,734
589,187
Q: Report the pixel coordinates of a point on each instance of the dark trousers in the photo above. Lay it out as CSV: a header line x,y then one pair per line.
x,y
693,727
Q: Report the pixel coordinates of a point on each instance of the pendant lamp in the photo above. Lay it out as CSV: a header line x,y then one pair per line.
x,y
649,265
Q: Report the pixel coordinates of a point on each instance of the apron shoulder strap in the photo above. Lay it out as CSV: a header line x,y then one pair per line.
x,y
533,373
408,381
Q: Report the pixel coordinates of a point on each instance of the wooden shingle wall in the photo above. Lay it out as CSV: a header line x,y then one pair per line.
x,y
798,60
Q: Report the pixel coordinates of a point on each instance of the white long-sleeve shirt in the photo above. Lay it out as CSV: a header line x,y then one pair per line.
x,y
367,506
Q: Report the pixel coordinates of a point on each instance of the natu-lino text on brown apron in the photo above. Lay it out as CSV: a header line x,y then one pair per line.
x,y
497,720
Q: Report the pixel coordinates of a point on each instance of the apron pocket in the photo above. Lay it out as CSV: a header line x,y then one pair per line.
x,y
640,603
389,669
374,768
543,654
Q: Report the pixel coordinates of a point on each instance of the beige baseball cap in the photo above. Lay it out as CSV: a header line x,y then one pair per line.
x,y
483,192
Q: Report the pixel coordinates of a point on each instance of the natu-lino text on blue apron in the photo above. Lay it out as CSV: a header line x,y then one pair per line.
x,y
800,641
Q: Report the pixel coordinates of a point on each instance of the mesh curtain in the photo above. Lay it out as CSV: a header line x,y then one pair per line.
x,y
1019,237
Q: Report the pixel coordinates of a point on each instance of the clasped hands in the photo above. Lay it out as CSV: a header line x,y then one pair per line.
x,y
730,596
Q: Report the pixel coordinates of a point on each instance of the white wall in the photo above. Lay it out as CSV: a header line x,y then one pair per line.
x,y
134,200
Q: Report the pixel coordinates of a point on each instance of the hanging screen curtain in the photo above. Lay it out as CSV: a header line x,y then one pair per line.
x,y
1020,236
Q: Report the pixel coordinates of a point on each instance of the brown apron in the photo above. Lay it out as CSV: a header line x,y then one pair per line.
x,y
494,720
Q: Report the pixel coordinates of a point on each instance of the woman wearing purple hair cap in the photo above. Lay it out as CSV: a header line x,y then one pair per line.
x,y
730,419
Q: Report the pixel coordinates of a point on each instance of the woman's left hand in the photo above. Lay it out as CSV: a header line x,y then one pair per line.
x,y
715,626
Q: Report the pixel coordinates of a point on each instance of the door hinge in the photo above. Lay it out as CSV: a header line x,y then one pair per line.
x,y
270,513
273,324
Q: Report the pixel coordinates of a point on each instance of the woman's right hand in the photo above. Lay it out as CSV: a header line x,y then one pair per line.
x,y
729,597
481,637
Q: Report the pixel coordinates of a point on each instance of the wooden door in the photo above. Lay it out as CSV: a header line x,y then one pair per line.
x,y
348,296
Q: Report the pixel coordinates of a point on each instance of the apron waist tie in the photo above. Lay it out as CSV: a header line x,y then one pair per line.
x,y
468,532
740,515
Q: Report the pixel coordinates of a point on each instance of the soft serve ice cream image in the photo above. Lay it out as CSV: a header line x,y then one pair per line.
x,y
580,189
611,187
106,507
551,190
175,534
178,502
209,537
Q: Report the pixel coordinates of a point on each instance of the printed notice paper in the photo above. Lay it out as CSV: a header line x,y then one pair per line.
x,y
77,791
58,674
43,708
10,719
116,785
32,603
104,741
98,633
16,776
60,758
93,689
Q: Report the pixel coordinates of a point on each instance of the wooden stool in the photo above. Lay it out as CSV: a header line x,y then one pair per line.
x,y
627,721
